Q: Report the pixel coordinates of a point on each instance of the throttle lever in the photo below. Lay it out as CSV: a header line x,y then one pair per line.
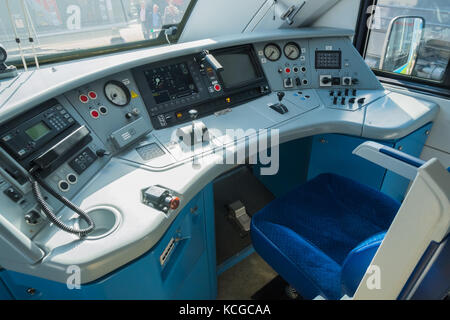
x,y
208,57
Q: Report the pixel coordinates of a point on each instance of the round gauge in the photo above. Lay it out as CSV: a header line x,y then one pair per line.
x,y
272,52
117,93
292,51
3,54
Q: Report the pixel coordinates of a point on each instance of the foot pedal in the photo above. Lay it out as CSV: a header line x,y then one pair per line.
x,y
238,214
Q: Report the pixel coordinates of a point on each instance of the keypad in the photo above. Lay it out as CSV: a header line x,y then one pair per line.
x,y
328,59
59,118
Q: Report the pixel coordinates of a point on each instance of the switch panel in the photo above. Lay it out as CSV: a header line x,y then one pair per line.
x,y
83,161
109,107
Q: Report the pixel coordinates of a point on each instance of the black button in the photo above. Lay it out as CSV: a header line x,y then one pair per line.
x,y
72,178
64,186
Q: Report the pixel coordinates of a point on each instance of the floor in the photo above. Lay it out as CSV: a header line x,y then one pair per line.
x,y
243,280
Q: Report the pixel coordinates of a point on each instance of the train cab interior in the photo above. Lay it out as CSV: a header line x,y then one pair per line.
x,y
224,150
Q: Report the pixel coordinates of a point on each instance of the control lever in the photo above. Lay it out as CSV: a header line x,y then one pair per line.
x,y
208,57
280,107
193,114
102,153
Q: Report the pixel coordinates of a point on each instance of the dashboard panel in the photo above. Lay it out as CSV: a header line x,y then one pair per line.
x,y
117,124
172,88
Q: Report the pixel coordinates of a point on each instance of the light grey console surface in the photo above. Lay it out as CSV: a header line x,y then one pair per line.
x,y
158,157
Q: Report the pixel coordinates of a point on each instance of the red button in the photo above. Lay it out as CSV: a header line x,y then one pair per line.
x,y
84,98
287,70
95,114
217,87
175,203
92,95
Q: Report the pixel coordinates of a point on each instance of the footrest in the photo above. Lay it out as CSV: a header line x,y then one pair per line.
x,y
238,214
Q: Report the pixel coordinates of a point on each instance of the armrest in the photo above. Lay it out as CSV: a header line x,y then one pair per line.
x,y
357,261
389,158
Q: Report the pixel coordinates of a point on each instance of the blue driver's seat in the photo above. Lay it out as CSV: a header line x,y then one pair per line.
x,y
322,236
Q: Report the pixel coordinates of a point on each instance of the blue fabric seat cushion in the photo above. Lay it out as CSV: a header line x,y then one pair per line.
x,y
322,220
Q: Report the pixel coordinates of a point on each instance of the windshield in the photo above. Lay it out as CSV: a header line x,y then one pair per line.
x,y
76,28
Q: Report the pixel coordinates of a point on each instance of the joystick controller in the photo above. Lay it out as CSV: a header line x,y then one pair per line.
x,y
280,107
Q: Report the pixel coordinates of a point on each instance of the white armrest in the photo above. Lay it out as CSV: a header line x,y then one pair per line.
x,y
389,158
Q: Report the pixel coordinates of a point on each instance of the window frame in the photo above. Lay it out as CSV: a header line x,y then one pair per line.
x,y
94,52
362,33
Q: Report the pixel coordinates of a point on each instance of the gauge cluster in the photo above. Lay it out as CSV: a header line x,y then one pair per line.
x,y
273,52
114,109
288,64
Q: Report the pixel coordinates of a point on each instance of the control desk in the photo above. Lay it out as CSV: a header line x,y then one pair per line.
x,y
106,133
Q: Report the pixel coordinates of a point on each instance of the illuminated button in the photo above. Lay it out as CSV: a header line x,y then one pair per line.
x,y
217,87
95,114
84,98
287,70
179,115
92,95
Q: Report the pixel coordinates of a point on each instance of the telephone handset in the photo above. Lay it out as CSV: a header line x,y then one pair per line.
x,y
44,161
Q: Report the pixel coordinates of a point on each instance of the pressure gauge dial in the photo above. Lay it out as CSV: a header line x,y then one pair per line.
x,y
292,51
272,52
117,93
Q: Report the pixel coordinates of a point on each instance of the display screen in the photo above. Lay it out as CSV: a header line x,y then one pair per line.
x,y
171,82
37,131
328,59
238,69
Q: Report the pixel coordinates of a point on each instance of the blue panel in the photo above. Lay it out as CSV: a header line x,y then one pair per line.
x,y
294,159
333,153
210,237
234,260
186,275
393,184
431,276
4,292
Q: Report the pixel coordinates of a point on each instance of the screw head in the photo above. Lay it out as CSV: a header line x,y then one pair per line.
x,y
31,291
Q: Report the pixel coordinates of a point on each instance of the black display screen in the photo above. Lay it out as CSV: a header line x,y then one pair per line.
x,y
170,82
238,69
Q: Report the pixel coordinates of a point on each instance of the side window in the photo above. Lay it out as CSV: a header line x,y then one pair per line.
x,y
409,38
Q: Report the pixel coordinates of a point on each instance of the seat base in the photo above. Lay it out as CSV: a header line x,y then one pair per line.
x,y
307,234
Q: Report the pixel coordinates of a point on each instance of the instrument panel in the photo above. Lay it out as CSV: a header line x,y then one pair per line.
x,y
172,88
171,82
